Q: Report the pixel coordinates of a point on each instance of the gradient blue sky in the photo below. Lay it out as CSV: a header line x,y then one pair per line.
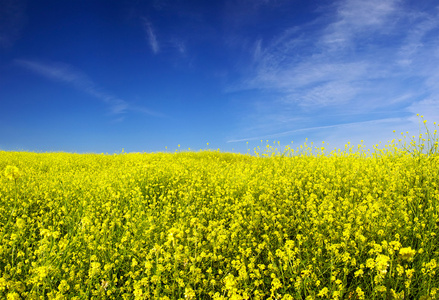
x,y
99,76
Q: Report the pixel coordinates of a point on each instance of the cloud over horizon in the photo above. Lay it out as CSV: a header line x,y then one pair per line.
x,y
346,65
224,72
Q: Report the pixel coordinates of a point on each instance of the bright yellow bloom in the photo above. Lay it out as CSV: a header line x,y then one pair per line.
x,y
221,225
13,296
360,293
407,253
189,293
323,292
12,172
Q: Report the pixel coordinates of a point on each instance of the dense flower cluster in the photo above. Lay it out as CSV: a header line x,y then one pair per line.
x,y
210,225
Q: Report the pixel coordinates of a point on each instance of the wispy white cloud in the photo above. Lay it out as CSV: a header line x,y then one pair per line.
x,y
316,128
168,42
151,36
60,72
358,58
68,74
428,107
355,19
179,45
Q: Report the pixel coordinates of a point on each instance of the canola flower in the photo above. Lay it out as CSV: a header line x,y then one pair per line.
x,y
407,253
12,172
283,224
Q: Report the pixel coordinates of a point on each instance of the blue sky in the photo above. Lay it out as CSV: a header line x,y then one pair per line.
x,y
99,76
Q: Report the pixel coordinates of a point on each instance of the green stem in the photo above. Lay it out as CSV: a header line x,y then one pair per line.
x,y
15,204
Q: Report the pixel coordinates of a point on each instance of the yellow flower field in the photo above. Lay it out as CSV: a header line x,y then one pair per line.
x,y
290,224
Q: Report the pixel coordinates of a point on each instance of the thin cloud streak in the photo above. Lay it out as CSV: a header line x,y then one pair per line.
x,y
414,41
355,62
356,19
286,133
151,36
66,73
179,45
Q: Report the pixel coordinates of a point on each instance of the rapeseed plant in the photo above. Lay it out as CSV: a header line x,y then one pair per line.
x,y
12,173
300,223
